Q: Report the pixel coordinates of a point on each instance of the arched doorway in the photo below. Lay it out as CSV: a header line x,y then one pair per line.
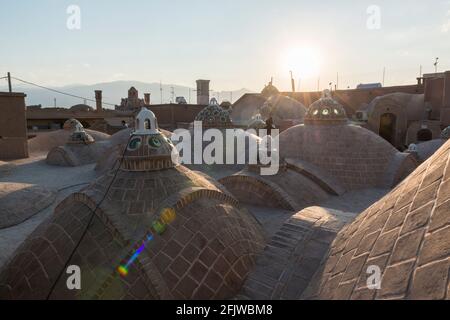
x,y
424,135
387,127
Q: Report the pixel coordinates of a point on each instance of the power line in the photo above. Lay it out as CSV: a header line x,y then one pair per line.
x,y
60,92
91,218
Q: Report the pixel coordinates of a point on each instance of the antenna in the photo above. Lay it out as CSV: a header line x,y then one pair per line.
x,y
292,82
172,94
318,84
337,80
384,75
436,65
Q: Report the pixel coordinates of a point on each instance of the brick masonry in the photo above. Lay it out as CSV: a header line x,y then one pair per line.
x,y
205,253
406,234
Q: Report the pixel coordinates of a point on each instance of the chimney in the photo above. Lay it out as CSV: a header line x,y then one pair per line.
x,y
98,100
445,111
147,99
203,92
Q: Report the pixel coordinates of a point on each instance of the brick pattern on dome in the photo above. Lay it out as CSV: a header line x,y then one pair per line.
x,y
205,253
325,111
406,234
355,157
20,201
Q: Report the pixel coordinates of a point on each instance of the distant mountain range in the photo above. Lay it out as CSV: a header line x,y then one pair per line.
x,y
113,92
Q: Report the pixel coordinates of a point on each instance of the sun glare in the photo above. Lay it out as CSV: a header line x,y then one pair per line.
x,y
304,62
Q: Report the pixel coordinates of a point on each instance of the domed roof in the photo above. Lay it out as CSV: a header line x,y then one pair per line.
x,y
269,90
405,237
354,156
80,136
445,134
257,122
326,110
81,107
148,149
214,116
282,108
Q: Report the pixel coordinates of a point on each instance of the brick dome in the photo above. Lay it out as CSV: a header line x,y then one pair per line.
x,y
214,116
406,235
282,108
269,90
326,110
354,156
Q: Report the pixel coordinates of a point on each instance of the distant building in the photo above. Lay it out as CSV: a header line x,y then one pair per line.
x,y
369,85
132,103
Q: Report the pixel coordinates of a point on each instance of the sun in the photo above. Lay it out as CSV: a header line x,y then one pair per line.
x,y
304,62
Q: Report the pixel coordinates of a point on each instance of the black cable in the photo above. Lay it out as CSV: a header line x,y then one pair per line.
x,y
90,221
60,92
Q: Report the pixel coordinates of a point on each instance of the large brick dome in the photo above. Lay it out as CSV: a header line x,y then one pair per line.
x,y
354,156
406,235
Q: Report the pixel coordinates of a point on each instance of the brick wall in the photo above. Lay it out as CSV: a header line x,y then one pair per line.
x,y
13,127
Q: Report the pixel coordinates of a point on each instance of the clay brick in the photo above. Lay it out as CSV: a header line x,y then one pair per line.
x,y
367,243
407,246
208,256
425,195
198,271
417,218
162,261
396,219
186,287
213,280
354,268
203,293
179,266
430,281
172,249
385,242
190,253
436,246
440,217
444,192
395,280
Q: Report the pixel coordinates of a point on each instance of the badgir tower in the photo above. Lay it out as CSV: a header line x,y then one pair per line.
x,y
150,229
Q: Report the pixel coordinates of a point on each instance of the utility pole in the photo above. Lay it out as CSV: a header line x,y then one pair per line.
x,y
420,71
292,82
384,74
435,65
54,102
337,80
172,94
318,84
231,97
9,82
161,91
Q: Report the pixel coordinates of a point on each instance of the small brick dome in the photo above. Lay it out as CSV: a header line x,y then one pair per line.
x,y
326,110
269,90
214,116
148,148
78,135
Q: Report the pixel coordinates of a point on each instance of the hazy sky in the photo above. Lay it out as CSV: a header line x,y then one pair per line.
x,y
234,43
